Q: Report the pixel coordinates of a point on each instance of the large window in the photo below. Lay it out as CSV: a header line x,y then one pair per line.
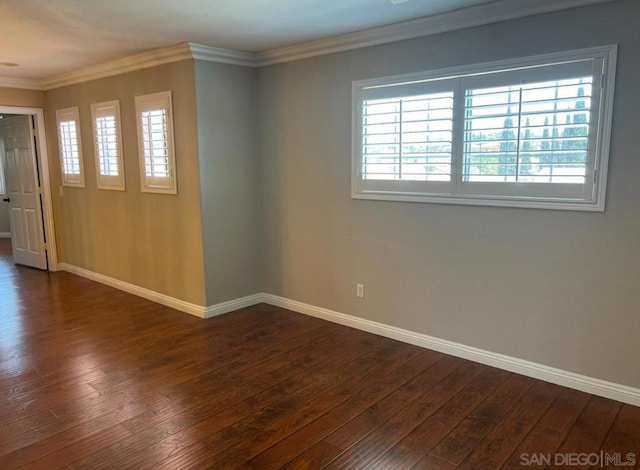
x,y
70,147
532,132
155,143
107,142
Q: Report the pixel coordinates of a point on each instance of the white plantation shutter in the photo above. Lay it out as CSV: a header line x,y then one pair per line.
x,y
531,138
155,143
70,145
408,138
543,124
108,145
530,133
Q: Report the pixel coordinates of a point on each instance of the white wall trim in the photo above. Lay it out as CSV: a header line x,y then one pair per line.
x,y
622,393
483,14
231,305
225,56
5,234
45,180
145,293
564,378
162,299
24,83
501,10
152,58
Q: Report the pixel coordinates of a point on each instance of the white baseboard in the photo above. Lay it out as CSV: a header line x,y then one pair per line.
x,y
148,294
168,301
583,383
5,234
561,377
231,305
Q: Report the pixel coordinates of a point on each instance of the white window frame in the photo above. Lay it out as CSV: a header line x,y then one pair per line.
x,y
458,79
150,183
65,115
108,109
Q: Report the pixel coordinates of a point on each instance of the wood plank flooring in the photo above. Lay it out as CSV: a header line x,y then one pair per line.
x,y
94,378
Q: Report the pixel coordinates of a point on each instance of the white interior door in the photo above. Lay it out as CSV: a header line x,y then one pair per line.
x,y
23,192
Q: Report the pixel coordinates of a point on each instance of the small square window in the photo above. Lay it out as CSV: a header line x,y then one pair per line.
x,y
107,142
155,143
70,144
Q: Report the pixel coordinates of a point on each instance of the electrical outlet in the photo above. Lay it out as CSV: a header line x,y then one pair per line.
x,y
360,290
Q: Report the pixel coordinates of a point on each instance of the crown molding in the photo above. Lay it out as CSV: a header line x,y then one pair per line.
x,y
225,56
152,58
500,10
142,60
488,13
24,83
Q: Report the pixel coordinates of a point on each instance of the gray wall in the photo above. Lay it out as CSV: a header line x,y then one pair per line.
x,y
226,98
553,287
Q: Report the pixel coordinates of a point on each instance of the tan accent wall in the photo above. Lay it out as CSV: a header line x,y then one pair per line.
x,y
554,287
149,240
20,97
226,114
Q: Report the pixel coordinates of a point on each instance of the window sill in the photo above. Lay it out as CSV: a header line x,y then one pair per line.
x,y
523,203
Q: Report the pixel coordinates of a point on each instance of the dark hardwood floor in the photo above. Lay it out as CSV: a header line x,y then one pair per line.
x,y
93,378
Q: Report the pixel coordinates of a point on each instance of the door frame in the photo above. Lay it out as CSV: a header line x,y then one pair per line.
x,y
45,178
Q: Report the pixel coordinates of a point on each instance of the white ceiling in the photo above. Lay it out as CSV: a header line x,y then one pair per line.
x,y
52,39
49,37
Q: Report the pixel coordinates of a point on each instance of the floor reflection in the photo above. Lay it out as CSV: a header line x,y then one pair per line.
x,y
12,360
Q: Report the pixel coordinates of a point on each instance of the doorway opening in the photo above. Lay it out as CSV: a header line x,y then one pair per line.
x,y
26,209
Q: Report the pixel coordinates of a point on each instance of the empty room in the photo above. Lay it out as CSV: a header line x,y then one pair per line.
x,y
319,234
